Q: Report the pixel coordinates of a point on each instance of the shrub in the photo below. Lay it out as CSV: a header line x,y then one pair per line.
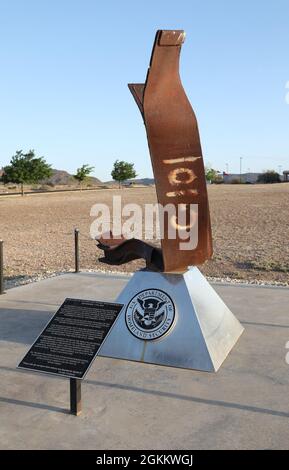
x,y
218,180
44,187
237,181
211,174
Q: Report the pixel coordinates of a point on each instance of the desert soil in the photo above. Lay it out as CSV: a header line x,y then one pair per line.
x,y
250,226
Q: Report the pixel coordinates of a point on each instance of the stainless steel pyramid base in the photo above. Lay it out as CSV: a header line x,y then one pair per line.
x,y
173,320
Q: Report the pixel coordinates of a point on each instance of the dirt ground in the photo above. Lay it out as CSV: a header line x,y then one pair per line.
x,y
250,226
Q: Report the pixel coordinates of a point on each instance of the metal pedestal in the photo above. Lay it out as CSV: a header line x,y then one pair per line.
x,y
201,330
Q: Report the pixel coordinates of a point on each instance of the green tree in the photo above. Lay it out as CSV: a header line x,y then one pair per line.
x,y
211,174
83,173
269,176
123,171
26,168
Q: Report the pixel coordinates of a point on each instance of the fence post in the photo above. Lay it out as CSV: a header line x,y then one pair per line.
x,y
76,249
75,397
1,268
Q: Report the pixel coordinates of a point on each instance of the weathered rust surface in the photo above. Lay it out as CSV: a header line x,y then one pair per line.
x,y
176,155
175,148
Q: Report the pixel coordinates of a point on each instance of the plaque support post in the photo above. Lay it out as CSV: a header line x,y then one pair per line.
x,y
1,267
75,397
76,249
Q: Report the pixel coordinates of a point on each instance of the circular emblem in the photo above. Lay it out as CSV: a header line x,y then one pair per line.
x,y
150,314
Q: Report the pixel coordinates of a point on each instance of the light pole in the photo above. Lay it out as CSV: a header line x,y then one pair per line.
x,y
241,158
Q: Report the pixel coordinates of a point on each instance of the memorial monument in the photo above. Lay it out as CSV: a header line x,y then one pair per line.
x,y
172,316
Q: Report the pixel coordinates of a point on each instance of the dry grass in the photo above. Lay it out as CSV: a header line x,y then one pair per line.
x,y
250,229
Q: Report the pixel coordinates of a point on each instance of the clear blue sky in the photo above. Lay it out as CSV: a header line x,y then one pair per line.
x,y
65,65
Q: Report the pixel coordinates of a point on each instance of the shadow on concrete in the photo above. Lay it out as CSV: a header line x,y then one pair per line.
x,y
176,396
34,302
159,393
30,404
30,372
22,326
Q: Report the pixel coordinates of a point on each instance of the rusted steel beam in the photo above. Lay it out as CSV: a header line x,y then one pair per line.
x,y
176,155
175,147
121,250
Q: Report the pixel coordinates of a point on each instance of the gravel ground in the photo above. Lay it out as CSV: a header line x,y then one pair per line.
x,y
250,229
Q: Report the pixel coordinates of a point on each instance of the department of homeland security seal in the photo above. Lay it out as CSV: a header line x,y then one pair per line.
x,y
150,314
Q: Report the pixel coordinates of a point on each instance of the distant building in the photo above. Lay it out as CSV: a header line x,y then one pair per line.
x,y
245,177
286,175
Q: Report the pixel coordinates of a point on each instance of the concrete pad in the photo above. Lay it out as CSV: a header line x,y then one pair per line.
x,y
130,405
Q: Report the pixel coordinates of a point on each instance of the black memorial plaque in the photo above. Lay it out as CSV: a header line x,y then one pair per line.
x,y
70,341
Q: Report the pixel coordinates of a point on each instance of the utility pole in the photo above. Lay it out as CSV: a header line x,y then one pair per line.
x,y
227,168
